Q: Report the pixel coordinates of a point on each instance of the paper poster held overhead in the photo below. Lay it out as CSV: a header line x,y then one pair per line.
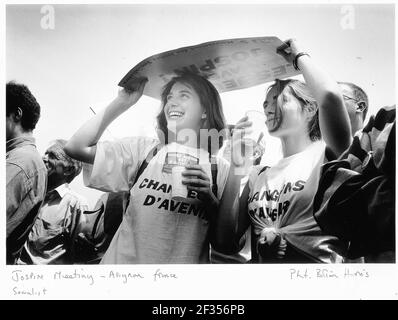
x,y
229,64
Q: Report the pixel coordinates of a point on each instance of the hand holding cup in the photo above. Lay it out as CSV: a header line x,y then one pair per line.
x,y
193,178
247,134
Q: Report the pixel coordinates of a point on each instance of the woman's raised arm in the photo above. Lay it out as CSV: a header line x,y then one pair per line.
x,y
82,145
333,116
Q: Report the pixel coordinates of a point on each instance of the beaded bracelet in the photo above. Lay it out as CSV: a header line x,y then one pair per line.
x,y
298,55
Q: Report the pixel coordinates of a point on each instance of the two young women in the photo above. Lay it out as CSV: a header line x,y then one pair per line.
x,y
276,201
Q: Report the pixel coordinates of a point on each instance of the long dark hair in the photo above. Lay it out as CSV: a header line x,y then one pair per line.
x,y
209,99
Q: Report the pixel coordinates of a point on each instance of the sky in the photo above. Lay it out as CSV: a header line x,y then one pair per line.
x,y
77,64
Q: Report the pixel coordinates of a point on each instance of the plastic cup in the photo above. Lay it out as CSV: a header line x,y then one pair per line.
x,y
178,190
258,125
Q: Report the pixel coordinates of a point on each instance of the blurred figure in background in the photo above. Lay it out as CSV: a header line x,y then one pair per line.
x,y
60,218
355,200
357,104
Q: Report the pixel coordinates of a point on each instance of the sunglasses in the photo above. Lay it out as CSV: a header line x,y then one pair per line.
x,y
350,98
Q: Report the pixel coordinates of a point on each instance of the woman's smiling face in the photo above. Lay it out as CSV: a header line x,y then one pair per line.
x,y
183,109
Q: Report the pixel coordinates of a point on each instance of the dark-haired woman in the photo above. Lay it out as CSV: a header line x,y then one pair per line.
x,y
157,228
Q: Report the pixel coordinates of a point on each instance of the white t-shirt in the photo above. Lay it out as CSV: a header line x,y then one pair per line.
x,y
282,197
155,228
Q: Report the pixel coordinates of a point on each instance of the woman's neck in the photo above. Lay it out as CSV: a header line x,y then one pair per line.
x,y
293,144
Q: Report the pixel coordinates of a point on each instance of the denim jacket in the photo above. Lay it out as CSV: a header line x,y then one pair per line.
x,y
26,177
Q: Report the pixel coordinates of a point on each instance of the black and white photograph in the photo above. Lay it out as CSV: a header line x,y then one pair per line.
x,y
152,148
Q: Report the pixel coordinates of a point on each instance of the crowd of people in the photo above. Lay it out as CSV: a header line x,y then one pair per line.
x,y
329,199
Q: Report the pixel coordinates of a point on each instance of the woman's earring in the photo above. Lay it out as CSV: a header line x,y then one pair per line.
x,y
204,116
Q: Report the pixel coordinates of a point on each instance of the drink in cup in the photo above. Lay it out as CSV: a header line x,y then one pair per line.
x,y
258,124
254,139
179,190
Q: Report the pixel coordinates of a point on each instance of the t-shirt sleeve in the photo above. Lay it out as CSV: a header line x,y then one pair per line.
x,y
116,163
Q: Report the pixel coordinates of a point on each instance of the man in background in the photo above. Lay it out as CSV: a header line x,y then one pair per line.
x,y
357,103
356,194
60,218
26,174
